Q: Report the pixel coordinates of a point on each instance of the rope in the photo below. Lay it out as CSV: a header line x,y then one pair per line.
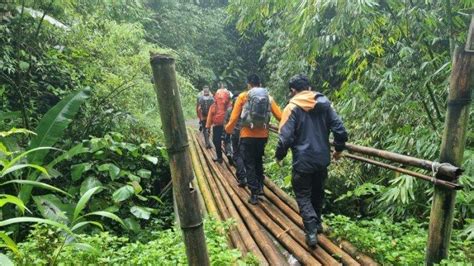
x,y
434,169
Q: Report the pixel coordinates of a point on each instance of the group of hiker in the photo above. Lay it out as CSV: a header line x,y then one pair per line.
x,y
241,124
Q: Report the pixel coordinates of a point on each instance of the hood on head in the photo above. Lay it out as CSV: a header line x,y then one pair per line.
x,y
310,100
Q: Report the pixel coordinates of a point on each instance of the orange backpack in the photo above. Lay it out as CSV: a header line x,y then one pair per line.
x,y
221,101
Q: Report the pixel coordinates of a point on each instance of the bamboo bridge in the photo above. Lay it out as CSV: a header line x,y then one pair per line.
x,y
273,229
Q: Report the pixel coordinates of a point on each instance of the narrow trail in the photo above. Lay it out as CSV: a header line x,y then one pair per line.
x,y
271,230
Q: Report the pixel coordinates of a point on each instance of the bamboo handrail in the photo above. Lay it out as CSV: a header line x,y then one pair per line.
x,y
442,170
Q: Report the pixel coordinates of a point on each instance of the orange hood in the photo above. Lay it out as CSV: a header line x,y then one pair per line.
x,y
305,100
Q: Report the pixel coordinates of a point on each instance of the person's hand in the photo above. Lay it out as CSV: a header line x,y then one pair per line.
x,y
337,155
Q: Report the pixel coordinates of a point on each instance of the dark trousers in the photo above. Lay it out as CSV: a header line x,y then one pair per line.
x,y
237,156
217,139
227,144
309,192
205,132
252,150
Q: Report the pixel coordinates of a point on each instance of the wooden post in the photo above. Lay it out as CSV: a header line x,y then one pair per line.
x,y
452,149
176,138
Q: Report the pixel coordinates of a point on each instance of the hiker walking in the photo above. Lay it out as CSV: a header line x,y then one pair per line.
x,y
305,126
215,118
234,141
254,107
204,102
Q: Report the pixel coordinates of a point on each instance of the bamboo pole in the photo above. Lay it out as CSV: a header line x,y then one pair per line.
x,y
176,140
246,237
206,194
434,180
272,255
452,150
281,194
355,253
294,216
326,254
281,235
234,235
446,170
296,234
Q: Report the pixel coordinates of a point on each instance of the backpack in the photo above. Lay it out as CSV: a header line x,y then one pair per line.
x,y
205,102
256,111
221,101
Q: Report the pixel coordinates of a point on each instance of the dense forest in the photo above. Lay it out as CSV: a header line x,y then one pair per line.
x,y
84,174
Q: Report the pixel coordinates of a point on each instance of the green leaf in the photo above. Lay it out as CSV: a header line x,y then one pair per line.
x,y
51,207
152,159
34,220
36,184
17,167
142,212
132,224
157,199
9,243
113,170
123,193
83,202
78,169
90,182
136,187
82,224
5,198
5,261
107,215
51,127
144,173
24,65
78,149
17,158
85,247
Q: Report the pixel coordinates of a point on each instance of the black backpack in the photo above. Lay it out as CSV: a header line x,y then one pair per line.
x,y
205,102
256,113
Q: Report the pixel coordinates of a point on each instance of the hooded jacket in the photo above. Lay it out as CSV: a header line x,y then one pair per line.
x,y
305,126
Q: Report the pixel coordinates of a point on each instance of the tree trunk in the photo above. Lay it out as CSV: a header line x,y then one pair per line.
x,y
176,139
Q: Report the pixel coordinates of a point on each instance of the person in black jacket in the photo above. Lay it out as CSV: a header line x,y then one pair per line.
x,y
306,123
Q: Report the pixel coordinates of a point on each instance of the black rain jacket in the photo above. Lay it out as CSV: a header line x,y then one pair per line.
x,y
305,126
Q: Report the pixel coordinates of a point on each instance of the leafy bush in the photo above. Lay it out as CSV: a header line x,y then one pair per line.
x,y
131,172
166,247
393,243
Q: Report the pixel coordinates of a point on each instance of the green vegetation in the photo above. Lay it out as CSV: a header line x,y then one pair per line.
x,y
83,172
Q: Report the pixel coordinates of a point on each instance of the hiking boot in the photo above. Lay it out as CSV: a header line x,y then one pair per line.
x,y
218,160
231,161
311,232
260,192
253,199
242,183
319,228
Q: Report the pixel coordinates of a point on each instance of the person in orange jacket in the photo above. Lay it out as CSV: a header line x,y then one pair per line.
x,y
215,119
254,107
